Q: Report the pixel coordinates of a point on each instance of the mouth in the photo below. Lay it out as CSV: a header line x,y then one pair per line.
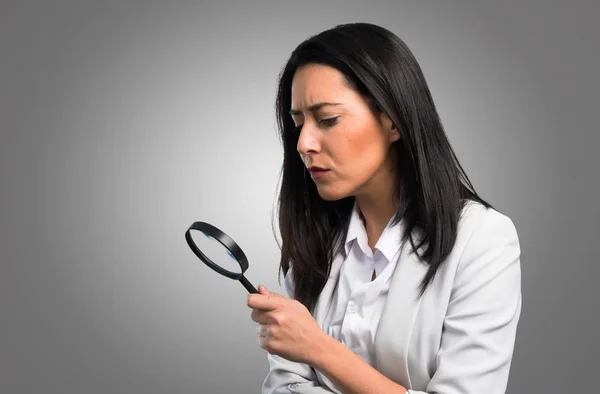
x,y
317,172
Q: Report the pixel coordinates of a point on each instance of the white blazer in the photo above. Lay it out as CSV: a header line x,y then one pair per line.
x,y
459,337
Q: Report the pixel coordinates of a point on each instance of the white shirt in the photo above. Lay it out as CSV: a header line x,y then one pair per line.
x,y
357,301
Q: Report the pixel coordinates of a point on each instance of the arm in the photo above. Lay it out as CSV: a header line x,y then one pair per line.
x,y
481,321
286,376
350,373
347,373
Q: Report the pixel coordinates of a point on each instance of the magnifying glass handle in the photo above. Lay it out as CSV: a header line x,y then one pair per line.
x,y
248,285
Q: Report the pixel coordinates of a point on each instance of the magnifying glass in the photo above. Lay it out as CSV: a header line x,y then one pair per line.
x,y
226,257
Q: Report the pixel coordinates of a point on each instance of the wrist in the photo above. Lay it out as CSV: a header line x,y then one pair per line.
x,y
324,346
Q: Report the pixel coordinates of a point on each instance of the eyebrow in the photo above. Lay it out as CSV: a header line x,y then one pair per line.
x,y
312,108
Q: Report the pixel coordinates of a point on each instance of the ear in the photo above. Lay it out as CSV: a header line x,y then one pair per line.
x,y
390,128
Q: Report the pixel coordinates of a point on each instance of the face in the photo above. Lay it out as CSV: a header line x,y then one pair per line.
x,y
346,138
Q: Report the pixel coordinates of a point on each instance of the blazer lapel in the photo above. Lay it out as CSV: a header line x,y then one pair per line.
x,y
324,300
322,307
397,320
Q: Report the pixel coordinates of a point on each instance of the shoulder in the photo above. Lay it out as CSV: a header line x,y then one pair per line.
x,y
476,218
487,246
480,227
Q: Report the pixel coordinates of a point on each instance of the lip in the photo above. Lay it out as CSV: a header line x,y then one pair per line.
x,y
316,174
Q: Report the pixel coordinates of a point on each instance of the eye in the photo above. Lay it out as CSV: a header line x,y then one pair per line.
x,y
329,122
326,122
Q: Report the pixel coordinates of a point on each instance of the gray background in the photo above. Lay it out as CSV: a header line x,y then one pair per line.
x,y
123,122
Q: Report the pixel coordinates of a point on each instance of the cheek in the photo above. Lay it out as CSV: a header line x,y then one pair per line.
x,y
356,154
360,157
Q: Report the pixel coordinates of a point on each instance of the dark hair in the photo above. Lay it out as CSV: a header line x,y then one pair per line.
x,y
434,187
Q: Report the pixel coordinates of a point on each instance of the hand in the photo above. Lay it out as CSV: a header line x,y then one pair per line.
x,y
286,327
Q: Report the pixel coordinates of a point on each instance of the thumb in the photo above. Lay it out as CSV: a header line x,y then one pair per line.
x,y
263,290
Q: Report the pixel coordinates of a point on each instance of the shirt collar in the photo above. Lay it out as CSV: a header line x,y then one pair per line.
x,y
388,243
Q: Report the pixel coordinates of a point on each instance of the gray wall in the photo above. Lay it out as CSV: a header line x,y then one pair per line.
x,y
123,122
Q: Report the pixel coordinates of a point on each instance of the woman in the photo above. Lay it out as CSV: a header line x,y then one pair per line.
x,y
399,277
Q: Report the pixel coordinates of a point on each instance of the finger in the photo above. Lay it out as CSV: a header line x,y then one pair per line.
x,y
260,316
263,290
263,330
263,342
264,338
276,295
261,301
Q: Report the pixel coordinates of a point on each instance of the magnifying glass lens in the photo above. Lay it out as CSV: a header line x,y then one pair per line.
x,y
216,252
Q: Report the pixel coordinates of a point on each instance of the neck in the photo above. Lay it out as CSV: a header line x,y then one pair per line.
x,y
376,213
378,203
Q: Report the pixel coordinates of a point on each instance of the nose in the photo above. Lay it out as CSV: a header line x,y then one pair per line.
x,y
308,140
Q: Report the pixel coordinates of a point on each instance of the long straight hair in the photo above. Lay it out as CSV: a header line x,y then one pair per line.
x,y
379,66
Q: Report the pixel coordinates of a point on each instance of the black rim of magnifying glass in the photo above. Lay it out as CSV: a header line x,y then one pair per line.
x,y
226,241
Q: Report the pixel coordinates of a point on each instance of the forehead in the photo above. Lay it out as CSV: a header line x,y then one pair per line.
x,y
315,83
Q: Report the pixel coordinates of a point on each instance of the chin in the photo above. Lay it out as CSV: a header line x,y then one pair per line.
x,y
331,194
